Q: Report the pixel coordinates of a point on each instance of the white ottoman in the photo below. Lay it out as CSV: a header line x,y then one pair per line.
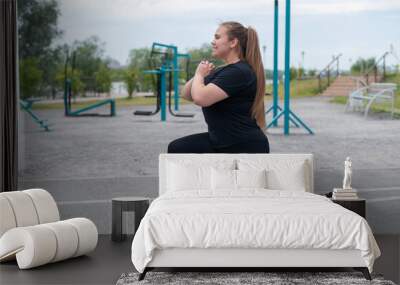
x,y
31,232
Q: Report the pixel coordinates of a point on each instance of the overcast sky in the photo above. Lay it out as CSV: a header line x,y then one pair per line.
x,y
356,28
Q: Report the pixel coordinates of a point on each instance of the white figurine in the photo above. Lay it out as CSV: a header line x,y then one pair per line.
x,y
347,174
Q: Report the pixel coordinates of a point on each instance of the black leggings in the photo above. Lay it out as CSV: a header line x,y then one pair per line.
x,y
200,143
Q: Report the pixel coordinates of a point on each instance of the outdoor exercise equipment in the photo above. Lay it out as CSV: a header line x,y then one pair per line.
x,y
26,105
170,66
68,96
277,111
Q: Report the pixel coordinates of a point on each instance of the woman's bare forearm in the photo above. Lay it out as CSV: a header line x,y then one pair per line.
x,y
187,90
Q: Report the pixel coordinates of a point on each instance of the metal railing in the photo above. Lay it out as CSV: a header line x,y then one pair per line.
x,y
375,70
330,72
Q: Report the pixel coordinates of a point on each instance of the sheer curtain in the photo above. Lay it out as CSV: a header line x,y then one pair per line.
x,y
8,95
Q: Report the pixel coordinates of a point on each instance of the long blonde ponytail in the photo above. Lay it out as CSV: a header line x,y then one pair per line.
x,y
249,50
253,57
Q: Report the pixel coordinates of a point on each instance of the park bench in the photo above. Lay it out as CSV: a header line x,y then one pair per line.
x,y
363,98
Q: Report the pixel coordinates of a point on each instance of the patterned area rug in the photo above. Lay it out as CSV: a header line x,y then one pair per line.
x,y
243,278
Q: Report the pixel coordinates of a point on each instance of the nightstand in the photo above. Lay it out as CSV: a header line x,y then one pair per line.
x,y
139,205
357,206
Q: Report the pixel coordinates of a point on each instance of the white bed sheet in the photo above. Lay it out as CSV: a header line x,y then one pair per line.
x,y
252,218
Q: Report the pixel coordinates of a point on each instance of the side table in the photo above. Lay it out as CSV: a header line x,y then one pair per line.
x,y
139,205
357,206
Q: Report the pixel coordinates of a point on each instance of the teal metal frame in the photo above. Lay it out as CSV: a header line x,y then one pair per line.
x,y
275,101
168,66
288,115
67,98
163,89
176,92
174,68
67,107
26,105
275,104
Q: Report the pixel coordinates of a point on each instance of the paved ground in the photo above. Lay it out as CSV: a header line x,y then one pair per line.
x,y
127,145
86,161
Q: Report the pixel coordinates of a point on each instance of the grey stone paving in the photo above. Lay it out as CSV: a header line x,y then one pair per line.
x,y
86,161
127,145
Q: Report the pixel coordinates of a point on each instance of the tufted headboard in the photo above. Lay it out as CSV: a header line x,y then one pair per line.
x,y
210,157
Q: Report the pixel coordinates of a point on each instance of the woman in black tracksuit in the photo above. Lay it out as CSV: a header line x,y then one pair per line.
x,y
231,97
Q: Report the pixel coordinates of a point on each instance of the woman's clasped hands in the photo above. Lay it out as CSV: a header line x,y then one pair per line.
x,y
204,68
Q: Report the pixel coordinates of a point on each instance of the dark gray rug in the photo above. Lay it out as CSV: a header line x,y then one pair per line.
x,y
269,278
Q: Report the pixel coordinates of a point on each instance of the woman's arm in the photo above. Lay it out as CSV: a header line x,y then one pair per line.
x,y
205,95
187,90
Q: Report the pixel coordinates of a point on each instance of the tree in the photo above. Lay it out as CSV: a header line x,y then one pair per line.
x,y
103,79
74,75
130,78
293,73
37,29
269,74
198,54
300,72
49,64
37,26
312,72
140,60
30,77
362,65
86,56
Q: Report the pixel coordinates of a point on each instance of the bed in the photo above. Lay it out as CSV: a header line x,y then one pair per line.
x,y
244,211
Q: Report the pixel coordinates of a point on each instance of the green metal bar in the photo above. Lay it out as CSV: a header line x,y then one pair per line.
x,y
301,123
175,71
272,107
162,45
26,106
287,70
176,78
287,112
96,105
275,119
163,96
275,105
113,109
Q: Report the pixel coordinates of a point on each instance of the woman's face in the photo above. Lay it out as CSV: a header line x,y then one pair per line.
x,y
221,45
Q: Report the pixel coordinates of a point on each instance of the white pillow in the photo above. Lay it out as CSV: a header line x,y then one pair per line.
x,y
251,178
223,179
187,174
191,177
230,180
290,175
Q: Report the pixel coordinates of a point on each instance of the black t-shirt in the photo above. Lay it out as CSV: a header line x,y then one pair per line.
x,y
229,121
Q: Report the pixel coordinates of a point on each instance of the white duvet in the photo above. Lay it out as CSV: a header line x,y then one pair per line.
x,y
250,219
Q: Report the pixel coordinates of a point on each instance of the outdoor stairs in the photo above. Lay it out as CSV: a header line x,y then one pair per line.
x,y
343,85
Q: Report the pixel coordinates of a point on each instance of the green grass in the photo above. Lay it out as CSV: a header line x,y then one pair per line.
x,y
298,88
120,102
382,107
